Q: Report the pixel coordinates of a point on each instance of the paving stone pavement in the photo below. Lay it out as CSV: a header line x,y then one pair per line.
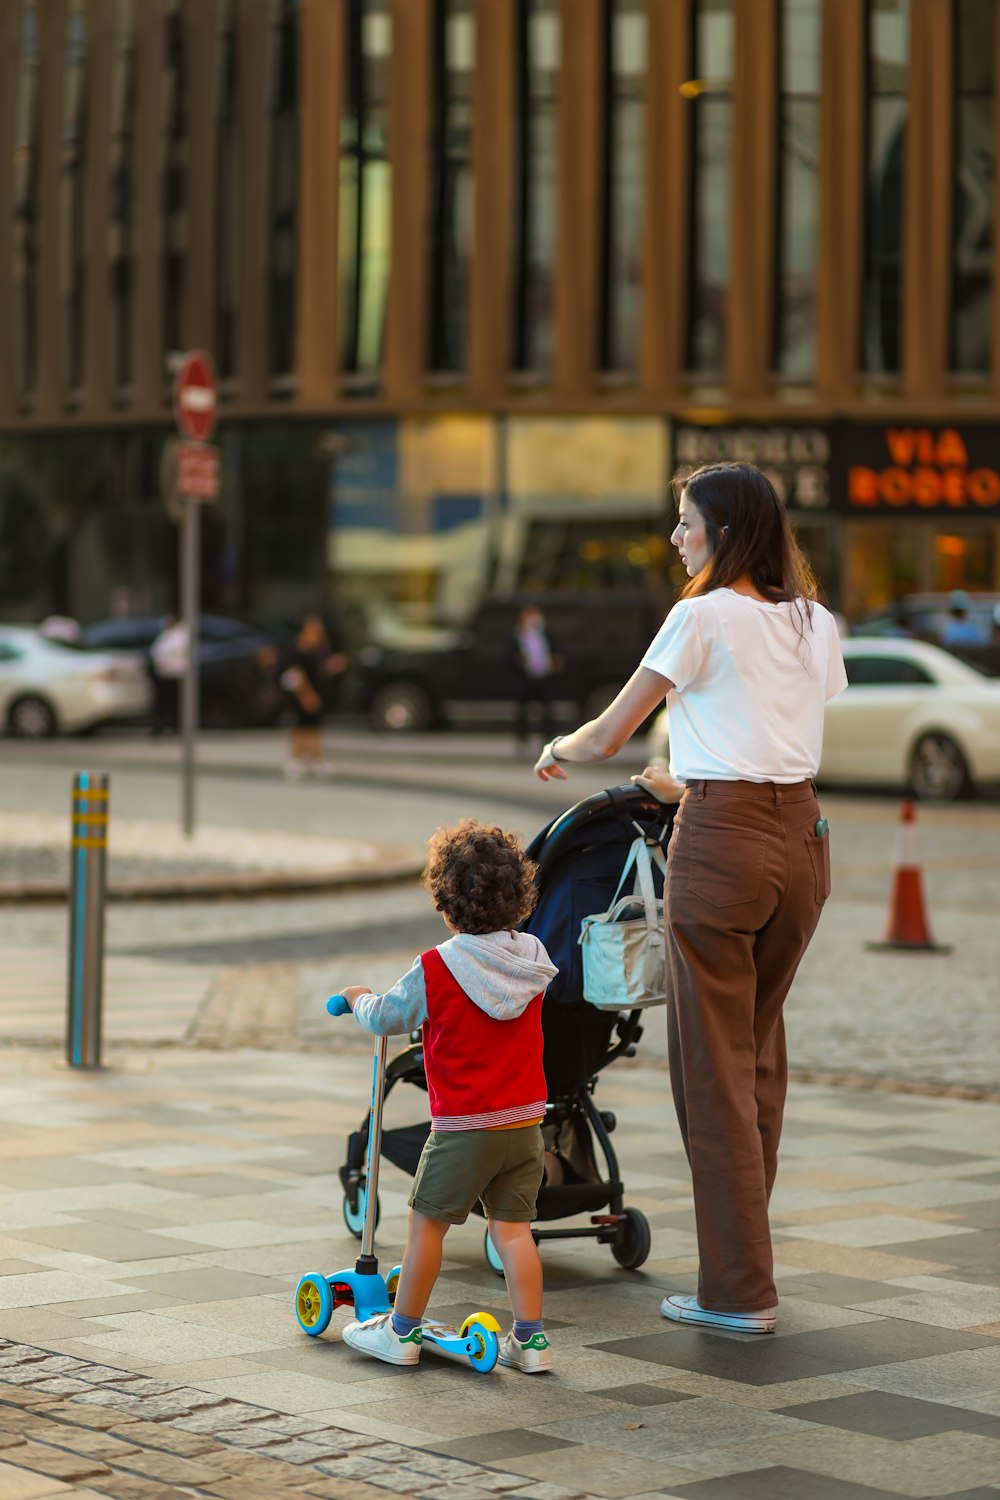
x,y
155,1219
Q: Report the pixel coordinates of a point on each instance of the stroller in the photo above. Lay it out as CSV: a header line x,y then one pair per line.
x,y
580,856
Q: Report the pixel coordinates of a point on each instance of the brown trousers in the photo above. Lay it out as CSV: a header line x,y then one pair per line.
x,y
747,876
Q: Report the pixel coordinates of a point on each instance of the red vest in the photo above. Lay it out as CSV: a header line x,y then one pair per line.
x,y
480,1071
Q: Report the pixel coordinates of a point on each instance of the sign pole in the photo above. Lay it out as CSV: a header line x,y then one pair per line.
x,y
190,594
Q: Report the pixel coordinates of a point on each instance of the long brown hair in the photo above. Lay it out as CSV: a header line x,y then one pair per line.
x,y
749,535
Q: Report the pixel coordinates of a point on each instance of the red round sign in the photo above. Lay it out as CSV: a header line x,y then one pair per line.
x,y
196,397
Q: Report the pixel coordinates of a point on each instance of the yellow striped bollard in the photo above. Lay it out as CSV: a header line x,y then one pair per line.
x,y
87,889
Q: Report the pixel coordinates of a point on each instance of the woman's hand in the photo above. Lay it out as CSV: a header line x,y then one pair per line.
x,y
658,780
547,768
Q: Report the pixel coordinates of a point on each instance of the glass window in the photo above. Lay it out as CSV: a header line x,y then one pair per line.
x,y
175,227
26,203
888,78
625,129
539,57
227,192
365,201
798,183
884,671
452,182
284,181
710,92
975,170
71,208
120,218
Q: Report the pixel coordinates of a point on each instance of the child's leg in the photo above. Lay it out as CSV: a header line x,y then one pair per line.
x,y
421,1265
522,1268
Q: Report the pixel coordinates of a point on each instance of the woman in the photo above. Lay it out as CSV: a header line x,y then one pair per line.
x,y
746,659
313,662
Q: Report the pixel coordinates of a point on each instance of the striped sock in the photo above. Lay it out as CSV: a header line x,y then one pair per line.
x,y
402,1326
524,1331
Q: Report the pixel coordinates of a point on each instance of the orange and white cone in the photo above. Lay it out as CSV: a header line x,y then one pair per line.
x,y
907,927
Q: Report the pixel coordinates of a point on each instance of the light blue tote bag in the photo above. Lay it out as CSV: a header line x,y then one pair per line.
x,y
623,951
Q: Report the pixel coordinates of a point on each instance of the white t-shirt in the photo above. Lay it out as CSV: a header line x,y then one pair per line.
x,y
751,681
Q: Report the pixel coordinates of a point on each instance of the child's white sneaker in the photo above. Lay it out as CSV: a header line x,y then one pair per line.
x,y
532,1358
377,1337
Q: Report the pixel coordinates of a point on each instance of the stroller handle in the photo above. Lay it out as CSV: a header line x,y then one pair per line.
x,y
338,1006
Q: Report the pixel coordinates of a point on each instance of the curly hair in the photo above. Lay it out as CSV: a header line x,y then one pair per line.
x,y
480,878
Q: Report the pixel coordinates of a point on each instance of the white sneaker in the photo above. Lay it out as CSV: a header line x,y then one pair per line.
x,y
294,770
689,1310
532,1358
377,1337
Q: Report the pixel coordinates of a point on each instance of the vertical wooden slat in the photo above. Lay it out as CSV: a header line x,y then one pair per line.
x,y
50,394
749,334
665,209
494,105
580,198
409,153
321,104
839,268
927,206
255,157
148,373
97,374
200,105
9,52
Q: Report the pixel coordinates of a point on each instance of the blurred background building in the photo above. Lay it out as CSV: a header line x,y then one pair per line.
x,y
477,276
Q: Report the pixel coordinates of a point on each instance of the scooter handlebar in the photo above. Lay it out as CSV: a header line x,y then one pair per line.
x,y
338,1006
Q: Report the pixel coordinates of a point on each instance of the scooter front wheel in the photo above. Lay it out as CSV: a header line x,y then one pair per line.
x,y
313,1304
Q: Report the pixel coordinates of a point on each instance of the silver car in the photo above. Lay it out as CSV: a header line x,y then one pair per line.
x,y
49,688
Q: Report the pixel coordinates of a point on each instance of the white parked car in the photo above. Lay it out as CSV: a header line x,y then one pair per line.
x,y
49,688
912,716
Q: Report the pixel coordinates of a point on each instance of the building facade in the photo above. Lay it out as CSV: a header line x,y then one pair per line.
x,y
478,276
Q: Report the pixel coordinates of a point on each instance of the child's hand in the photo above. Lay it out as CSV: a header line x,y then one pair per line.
x,y
354,992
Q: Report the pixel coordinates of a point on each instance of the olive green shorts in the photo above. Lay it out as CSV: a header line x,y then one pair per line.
x,y
503,1168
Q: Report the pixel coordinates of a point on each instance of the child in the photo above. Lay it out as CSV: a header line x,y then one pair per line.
x,y
478,997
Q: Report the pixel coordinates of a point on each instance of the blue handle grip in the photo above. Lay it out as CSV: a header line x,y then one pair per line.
x,y
338,1006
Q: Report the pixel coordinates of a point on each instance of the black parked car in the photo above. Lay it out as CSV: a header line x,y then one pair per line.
x,y
239,665
600,638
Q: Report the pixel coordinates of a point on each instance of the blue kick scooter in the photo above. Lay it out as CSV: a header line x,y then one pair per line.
x,y
317,1296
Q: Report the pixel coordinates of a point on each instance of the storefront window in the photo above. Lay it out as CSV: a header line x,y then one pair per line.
x,y
71,236
625,53
26,204
365,203
888,78
798,188
227,192
175,226
122,189
711,169
975,173
452,188
284,182
539,57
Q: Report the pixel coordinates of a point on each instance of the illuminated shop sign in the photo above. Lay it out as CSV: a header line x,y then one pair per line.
x,y
795,459
912,468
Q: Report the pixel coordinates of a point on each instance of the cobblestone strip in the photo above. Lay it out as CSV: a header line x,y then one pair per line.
x,y
130,1437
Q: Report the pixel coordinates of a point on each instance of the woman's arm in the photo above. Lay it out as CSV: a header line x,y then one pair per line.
x,y
604,736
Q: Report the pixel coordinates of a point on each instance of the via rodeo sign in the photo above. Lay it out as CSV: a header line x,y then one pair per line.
x,y
922,468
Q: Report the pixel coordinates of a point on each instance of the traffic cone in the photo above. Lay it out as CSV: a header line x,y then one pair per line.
x,y
907,927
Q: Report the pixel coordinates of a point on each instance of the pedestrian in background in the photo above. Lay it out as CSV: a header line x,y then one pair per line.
x,y
959,629
313,665
747,660
536,667
168,659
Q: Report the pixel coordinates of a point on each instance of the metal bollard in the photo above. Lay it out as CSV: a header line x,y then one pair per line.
x,y
88,883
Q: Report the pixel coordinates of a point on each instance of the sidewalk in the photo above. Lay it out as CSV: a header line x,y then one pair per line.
x,y
156,1218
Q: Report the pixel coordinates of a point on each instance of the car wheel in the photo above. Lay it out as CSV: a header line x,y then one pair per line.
x,y
939,771
32,718
401,708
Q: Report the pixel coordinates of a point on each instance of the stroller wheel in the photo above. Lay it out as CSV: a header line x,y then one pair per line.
x,y
492,1258
634,1241
354,1218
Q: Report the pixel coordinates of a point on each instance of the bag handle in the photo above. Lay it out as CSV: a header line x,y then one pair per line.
x,y
640,856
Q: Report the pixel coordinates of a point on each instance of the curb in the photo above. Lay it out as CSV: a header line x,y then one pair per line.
x,y
200,887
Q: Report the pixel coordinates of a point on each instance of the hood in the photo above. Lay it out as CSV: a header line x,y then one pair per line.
x,y
501,972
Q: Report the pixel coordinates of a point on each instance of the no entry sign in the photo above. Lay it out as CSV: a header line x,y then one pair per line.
x,y
196,397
